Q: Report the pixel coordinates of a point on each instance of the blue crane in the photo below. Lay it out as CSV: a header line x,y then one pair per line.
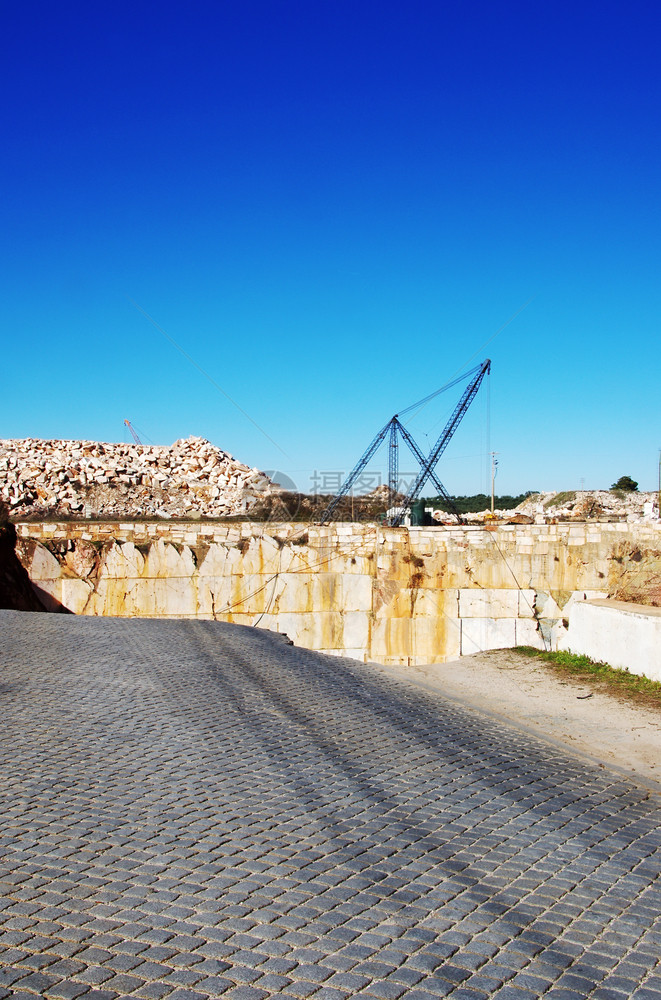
x,y
395,428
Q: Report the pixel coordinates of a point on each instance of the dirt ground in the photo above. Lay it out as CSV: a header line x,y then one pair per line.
x,y
576,714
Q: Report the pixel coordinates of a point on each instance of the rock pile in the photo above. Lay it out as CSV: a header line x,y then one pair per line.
x,y
584,505
569,505
87,478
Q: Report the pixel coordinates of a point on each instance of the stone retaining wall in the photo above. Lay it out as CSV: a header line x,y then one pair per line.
x,y
391,595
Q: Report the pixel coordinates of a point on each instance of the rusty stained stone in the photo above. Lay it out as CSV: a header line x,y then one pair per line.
x,y
389,595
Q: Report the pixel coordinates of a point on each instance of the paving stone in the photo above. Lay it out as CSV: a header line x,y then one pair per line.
x,y
94,975
246,993
197,807
36,982
329,993
154,991
9,975
68,990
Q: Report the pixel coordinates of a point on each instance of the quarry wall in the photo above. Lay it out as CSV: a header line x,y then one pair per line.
x,y
390,595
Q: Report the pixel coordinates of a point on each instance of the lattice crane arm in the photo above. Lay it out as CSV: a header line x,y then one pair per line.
x,y
133,433
417,453
443,441
353,475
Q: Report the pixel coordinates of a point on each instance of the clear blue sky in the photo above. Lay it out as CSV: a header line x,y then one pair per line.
x,y
331,206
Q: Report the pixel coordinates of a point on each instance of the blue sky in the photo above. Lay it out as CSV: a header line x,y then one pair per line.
x,y
331,207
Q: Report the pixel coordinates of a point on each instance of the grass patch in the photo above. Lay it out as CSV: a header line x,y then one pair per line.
x,y
559,498
632,687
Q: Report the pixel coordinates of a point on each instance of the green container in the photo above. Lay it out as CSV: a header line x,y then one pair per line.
x,y
418,513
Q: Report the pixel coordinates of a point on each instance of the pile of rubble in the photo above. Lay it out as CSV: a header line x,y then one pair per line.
x,y
579,505
90,479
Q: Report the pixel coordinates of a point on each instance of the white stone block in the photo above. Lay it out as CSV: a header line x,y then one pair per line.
x,y
75,595
579,596
624,635
492,603
355,654
435,640
528,634
526,603
479,634
356,592
49,593
293,593
44,566
546,606
355,633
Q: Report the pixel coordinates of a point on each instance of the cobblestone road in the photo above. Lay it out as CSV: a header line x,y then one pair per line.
x,y
192,810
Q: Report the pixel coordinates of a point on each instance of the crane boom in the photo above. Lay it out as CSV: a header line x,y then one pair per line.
x,y
353,476
133,433
427,465
443,441
417,453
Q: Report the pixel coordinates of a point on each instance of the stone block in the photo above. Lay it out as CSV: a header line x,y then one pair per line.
x,y
355,654
356,630
479,634
391,639
526,603
582,595
322,630
75,595
546,605
43,566
528,634
293,593
435,639
356,592
490,603
124,561
625,635
214,562
49,593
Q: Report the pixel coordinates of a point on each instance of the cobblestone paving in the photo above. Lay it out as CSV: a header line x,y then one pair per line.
x,y
193,810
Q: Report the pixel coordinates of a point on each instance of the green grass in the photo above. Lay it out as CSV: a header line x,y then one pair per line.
x,y
559,498
620,682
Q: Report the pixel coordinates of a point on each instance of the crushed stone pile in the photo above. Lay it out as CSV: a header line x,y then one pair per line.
x,y
192,477
583,505
578,505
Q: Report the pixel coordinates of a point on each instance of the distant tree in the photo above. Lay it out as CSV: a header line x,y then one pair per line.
x,y
625,483
479,501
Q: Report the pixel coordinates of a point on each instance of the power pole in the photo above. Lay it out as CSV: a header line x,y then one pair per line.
x,y
494,467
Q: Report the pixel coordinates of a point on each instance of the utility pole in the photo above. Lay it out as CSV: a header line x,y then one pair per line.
x,y
658,498
494,467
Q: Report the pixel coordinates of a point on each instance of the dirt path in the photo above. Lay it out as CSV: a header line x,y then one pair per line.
x,y
574,713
